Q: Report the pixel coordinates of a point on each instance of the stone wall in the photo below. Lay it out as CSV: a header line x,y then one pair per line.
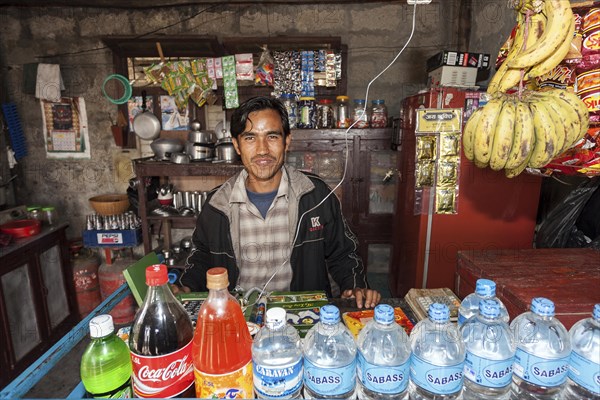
x,y
374,33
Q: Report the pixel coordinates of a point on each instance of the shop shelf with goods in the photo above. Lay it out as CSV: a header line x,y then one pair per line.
x,y
366,193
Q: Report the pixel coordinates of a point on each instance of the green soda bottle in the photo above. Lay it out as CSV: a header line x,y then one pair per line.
x,y
106,364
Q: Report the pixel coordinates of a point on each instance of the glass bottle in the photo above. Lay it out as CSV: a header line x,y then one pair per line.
x,y
379,115
307,117
360,115
289,101
342,112
325,114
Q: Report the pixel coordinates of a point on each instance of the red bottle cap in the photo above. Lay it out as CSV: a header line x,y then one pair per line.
x,y
156,275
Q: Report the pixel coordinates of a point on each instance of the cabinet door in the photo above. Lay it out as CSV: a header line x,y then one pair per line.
x,y
54,285
19,303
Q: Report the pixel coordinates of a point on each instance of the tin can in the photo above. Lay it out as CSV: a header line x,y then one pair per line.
x,y
306,113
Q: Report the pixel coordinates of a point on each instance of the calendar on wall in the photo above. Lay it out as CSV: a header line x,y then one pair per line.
x,y
65,128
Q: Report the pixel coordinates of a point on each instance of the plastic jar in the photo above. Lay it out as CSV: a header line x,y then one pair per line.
x,y
379,116
306,113
49,215
342,112
35,212
325,118
360,115
289,101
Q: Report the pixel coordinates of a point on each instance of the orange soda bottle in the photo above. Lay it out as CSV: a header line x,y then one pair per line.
x,y
222,345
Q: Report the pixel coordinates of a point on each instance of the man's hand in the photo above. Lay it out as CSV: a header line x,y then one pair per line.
x,y
183,289
367,297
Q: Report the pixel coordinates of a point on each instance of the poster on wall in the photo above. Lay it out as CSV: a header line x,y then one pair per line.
x,y
173,118
65,128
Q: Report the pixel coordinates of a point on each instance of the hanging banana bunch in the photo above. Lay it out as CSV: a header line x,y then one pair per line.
x,y
528,128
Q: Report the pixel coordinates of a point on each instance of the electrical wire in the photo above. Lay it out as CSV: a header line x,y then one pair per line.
x,y
346,152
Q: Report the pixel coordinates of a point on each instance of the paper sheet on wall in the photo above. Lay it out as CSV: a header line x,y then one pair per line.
x,y
65,128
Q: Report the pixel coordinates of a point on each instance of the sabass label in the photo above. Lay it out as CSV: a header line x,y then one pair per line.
x,y
437,379
163,376
541,371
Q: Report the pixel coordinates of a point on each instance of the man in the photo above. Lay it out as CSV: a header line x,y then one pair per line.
x,y
271,225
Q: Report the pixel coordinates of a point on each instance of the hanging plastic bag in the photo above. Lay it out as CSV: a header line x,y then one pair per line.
x,y
559,229
265,71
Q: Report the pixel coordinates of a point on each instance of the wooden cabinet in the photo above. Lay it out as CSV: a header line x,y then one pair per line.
x,y
367,192
37,298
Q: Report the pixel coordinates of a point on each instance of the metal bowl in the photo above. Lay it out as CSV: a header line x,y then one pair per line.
x,y
164,147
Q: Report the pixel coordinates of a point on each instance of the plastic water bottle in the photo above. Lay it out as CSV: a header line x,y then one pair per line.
x,y
105,364
277,358
490,354
383,357
438,356
543,349
329,358
484,289
584,370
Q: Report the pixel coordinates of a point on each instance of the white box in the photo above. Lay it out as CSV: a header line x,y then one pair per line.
x,y
453,76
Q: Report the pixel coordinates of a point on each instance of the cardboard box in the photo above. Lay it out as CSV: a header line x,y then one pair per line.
x,y
458,59
453,76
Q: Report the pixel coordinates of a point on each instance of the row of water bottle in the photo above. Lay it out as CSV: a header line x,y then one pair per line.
x,y
485,358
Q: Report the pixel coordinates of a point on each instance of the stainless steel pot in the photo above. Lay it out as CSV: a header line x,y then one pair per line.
x,y
225,150
180,158
199,151
201,137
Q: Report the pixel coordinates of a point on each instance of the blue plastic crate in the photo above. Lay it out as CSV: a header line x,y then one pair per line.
x,y
112,238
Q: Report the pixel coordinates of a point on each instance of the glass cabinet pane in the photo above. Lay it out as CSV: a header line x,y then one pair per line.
x,y
22,320
58,307
328,165
382,182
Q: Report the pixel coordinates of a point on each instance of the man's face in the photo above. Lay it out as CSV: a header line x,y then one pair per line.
x,y
262,149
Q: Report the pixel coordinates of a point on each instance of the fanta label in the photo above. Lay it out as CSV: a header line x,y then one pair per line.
x,y
234,385
163,376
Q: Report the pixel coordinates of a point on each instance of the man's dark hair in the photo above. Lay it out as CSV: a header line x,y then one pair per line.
x,y
240,115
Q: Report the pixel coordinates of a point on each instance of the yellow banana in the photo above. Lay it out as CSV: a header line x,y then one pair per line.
x,y
524,137
469,133
484,134
567,116
512,172
580,108
512,76
503,136
517,45
559,16
555,58
545,135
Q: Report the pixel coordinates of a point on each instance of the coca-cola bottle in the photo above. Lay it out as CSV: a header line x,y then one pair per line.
x,y
160,342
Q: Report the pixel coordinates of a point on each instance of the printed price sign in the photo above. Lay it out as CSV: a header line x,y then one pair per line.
x,y
432,120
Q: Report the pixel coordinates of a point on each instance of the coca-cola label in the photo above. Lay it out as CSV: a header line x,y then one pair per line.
x,y
163,376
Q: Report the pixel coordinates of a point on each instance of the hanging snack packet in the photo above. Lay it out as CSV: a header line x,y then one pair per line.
x,y
265,70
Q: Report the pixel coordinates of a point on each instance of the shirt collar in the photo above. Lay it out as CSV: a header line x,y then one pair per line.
x,y
238,194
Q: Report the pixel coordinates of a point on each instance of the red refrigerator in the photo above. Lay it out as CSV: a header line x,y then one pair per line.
x,y
490,210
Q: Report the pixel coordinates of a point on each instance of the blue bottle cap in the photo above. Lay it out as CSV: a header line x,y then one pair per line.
x,y
485,287
439,312
596,312
489,308
330,314
384,314
542,306
359,101
378,101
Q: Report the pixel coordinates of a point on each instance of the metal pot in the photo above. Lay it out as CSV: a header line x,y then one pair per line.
x,y
180,158
146,125
225,150
164,147
199,151
201,137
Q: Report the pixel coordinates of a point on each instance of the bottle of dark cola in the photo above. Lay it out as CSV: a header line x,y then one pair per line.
x,y
161,342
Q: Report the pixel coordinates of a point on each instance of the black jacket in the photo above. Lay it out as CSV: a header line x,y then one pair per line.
x,y
325,244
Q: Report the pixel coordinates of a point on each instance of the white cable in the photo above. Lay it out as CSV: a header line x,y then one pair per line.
x,y
346,150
